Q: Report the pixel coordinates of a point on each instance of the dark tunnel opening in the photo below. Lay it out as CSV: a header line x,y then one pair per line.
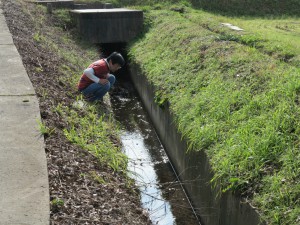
x,y
106,49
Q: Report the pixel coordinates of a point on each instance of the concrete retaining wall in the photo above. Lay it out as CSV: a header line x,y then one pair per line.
x,y
193,167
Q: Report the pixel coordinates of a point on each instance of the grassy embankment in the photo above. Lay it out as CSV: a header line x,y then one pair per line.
x,y
234,95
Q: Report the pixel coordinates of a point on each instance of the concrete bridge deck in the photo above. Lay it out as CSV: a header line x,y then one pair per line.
x,y
116,25
24,191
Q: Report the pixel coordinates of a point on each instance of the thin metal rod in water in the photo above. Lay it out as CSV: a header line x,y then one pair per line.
x,y
177,177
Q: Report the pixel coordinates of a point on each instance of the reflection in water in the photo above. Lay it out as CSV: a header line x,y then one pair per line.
x,y
144,173
161,193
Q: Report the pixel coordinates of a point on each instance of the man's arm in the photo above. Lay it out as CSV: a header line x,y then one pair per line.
x,y
89,72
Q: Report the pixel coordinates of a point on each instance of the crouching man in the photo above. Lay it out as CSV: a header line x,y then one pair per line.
x,y
97,79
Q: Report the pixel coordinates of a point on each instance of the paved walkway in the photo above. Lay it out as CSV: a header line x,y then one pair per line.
x,y
24,191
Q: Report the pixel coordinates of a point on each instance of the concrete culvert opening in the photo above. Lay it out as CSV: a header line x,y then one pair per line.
x,y
162,195
106,49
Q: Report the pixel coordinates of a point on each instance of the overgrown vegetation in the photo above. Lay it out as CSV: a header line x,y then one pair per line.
x,y
234,94
94,133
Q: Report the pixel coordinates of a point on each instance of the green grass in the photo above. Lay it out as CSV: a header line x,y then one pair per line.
x,y
275,36
44,129
234,95
93,132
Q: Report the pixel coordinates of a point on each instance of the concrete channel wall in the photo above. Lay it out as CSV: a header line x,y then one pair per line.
x,y
193,167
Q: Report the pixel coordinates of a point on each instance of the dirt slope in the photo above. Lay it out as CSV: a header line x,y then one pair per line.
x,y
75,196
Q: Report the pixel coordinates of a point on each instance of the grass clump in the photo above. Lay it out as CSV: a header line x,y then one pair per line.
x,y
44,129
233,99
93,132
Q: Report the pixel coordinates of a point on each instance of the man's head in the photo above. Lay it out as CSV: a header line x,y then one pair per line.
x,y
115,61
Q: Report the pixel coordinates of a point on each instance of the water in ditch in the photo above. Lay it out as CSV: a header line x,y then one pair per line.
x,y
161,193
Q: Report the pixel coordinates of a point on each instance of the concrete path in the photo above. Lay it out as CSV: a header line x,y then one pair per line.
x,y
24,191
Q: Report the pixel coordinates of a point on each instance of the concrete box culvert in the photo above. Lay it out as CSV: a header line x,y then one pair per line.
x,y
117,25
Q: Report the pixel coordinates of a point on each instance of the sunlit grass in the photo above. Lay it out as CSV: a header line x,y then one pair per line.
x,y
93,133
277,36
234,96
282,35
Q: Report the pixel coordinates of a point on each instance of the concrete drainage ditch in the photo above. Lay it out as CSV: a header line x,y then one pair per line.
x,y
161,193
193,168
156,150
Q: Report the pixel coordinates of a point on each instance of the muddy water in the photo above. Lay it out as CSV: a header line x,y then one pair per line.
x,y
161,193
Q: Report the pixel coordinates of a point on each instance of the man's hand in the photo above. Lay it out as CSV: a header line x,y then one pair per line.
x,y
103,81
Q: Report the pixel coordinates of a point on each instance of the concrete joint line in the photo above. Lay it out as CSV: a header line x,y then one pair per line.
x,y
3,95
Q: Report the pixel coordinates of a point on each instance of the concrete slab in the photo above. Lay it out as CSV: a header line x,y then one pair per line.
x,y
112,11
24,191
13,77
232,27
117,25
56,3
93,5
5,36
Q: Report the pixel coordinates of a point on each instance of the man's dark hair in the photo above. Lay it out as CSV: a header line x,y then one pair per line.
x,y
116,57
